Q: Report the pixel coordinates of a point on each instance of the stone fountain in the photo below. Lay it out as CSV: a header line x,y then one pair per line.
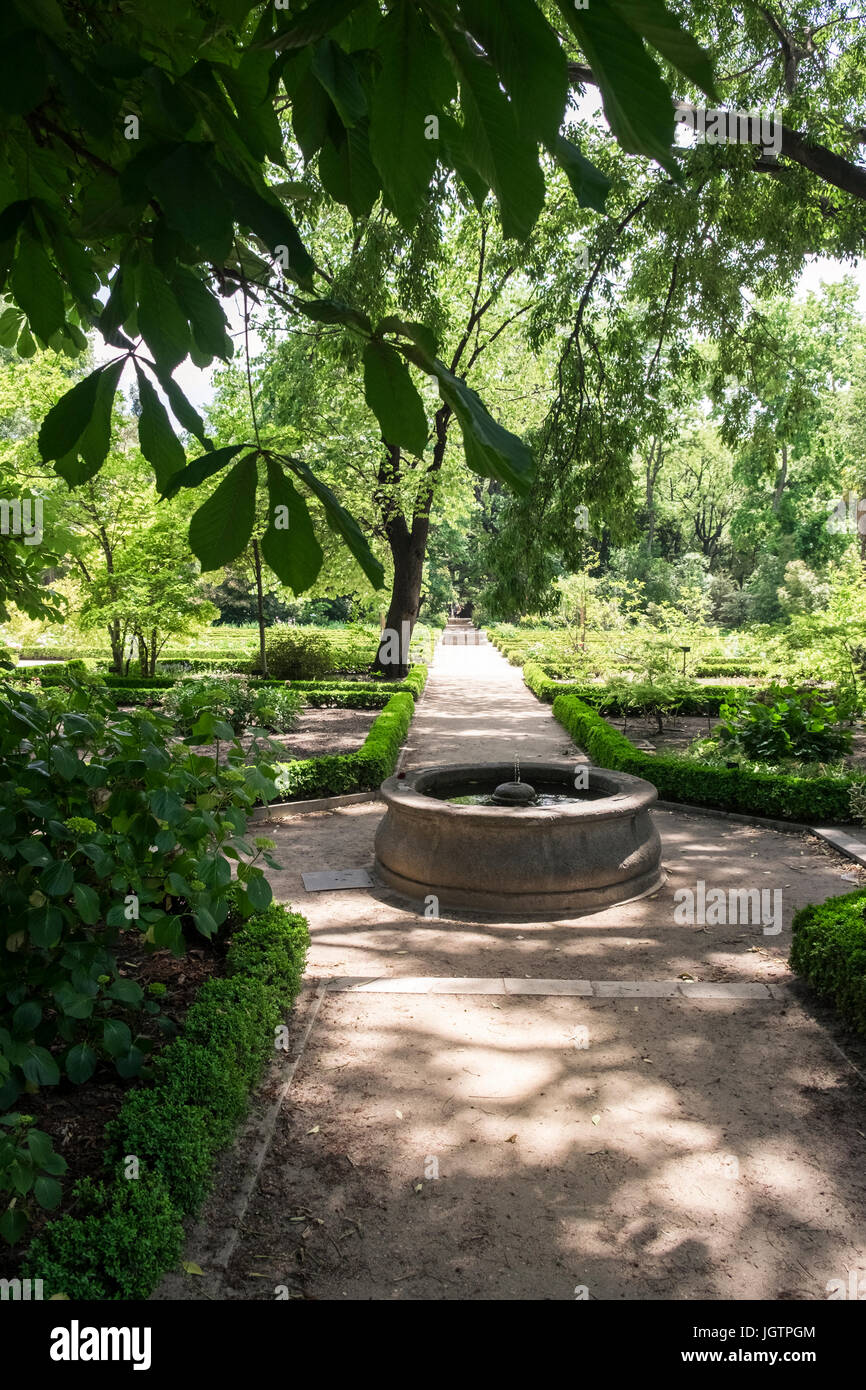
x,y
546,840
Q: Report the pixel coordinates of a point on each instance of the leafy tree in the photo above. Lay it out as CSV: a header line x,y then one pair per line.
x,y
143,153
137,578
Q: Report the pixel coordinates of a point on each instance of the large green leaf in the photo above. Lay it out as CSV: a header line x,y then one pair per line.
x,y
187,187
95,442
86,901
80,1063
341,522
183,411
393,398
589,184
503,154
457,155
264,214
528,58
161,321
413,69
636,101
491,450
37,287
334,311
347,171
339,77
408,328
116,1037
222,526
201,468
249,85
57,878
663,31
159,443
311,24
312,114
207,320
259,891
23,74
67,419
292,550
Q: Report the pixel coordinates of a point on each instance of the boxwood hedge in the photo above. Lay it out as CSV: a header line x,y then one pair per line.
x,y
362,770
123,1233
829,950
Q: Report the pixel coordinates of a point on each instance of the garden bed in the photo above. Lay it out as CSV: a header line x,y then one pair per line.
x,y
118,1236
75,1116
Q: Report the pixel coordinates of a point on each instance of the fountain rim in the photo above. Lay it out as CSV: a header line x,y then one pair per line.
x,y
632,794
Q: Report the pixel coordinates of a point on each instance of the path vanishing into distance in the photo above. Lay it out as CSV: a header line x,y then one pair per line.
x,y
610,1107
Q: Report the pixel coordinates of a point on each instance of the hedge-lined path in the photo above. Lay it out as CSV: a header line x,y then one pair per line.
x,y
477,708
640,1147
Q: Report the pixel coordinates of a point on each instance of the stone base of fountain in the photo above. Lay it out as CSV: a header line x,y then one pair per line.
x,y
577,856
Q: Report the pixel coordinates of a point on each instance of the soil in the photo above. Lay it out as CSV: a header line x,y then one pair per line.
x,y
318,731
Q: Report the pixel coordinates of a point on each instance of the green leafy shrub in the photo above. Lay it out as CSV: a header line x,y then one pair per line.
x,y
29,1169
783,722
828,949
123,1237
295,654
234,700
815,800
105,828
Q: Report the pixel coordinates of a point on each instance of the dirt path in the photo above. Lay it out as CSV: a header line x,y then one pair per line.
x,y
666,1116
477,708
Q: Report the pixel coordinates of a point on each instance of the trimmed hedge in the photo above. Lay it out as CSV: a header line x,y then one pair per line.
x,y
811,799
707,700
829,950
124,1234
733,667
336,694
363,770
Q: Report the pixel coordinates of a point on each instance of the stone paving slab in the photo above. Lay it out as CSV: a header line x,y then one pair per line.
x,y
602,989
329,879
851,844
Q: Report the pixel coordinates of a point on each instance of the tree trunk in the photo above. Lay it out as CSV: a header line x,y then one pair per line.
x,y
781,479
260,608
116,647
408,549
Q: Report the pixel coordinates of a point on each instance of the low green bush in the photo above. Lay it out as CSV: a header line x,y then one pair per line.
x,y
734,667
125,1232
784,722
622,697
295,654
362,770
829,950
233,699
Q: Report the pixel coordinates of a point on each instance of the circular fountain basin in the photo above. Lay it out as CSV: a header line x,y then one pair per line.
x,y
587,850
